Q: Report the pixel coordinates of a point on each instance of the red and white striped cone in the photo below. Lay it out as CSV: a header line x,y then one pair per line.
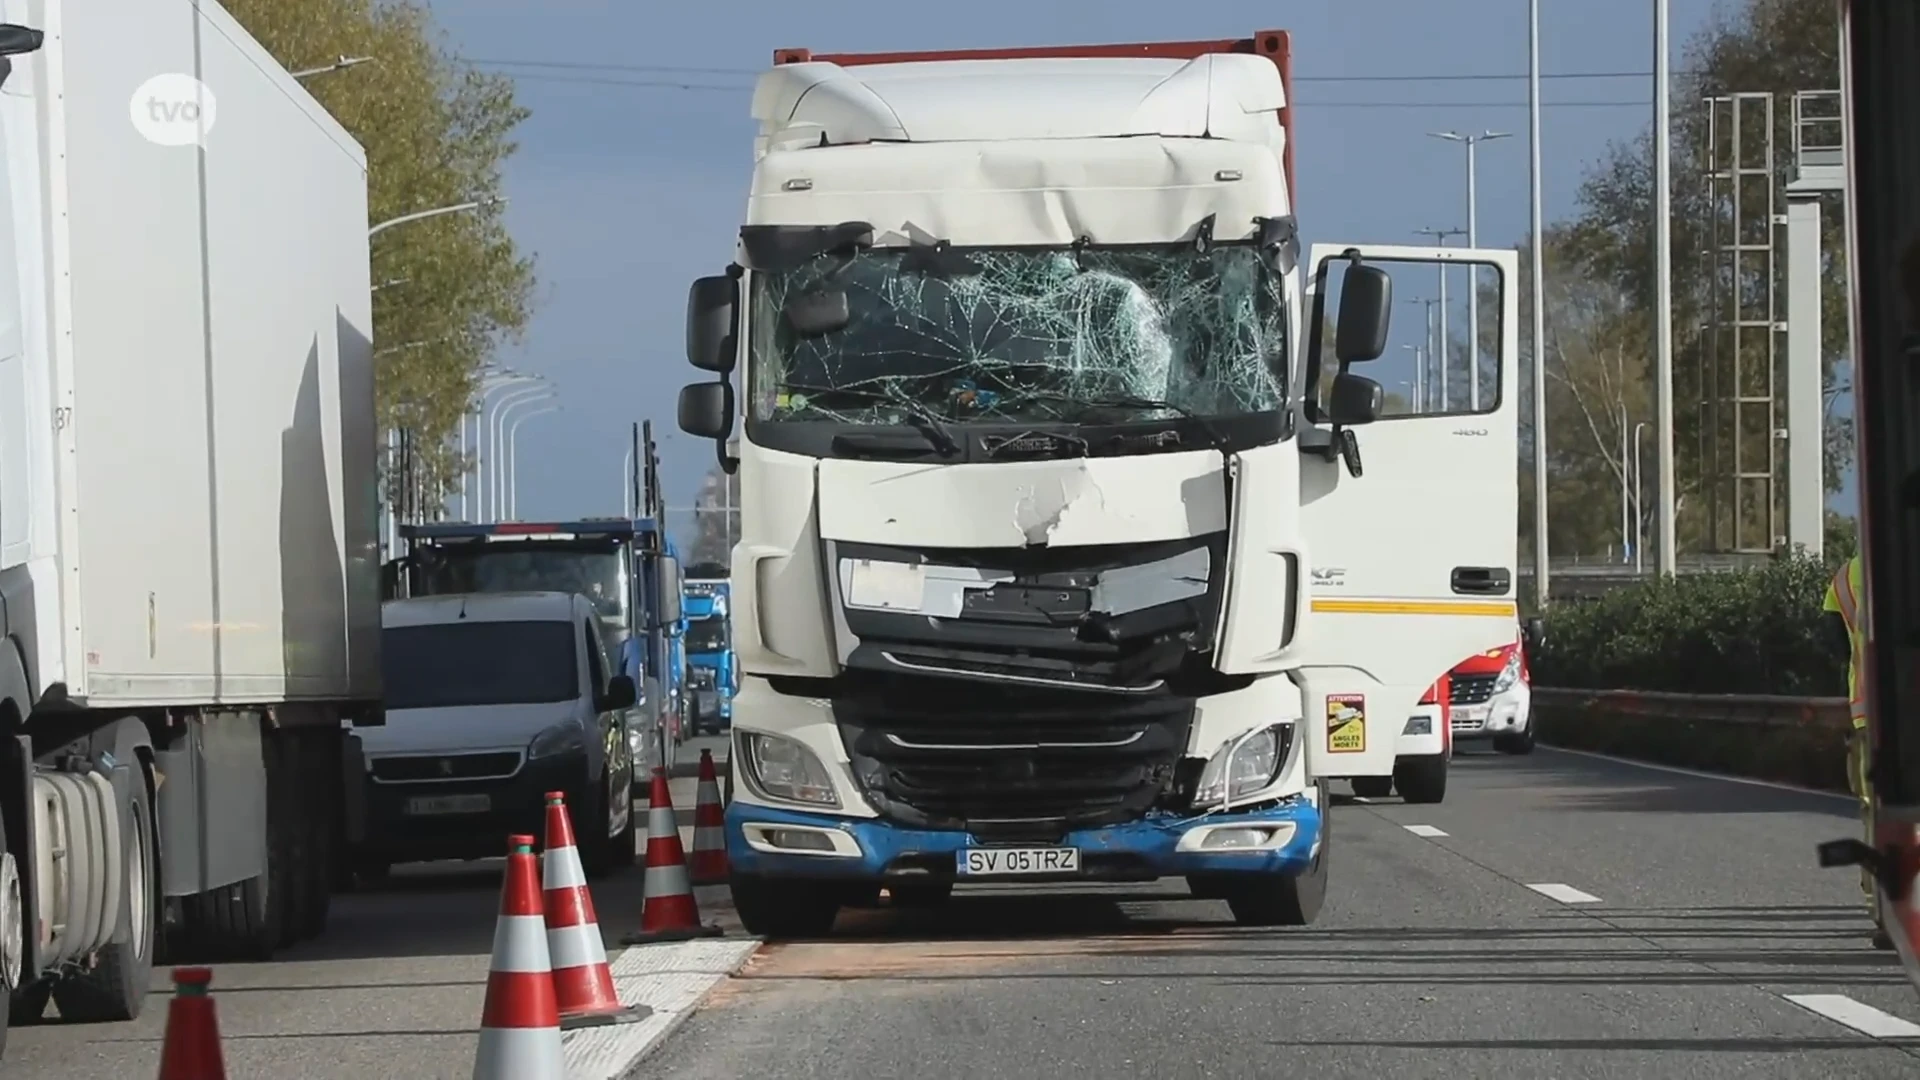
x,y
191,1049
520,1023
708,863
668,911
582,978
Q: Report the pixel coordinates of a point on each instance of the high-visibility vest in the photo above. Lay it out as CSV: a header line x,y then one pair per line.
x,y
1847,594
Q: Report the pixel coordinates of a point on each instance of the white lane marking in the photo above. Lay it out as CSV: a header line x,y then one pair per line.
x,y
1566,894
1698,775
1362,799
1424,830
1862,1018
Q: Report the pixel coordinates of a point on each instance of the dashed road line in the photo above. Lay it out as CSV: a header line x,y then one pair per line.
x,y
1424,830
1860,1017
1566,894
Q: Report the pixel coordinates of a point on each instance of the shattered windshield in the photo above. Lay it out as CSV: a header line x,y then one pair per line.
x,y
1025,335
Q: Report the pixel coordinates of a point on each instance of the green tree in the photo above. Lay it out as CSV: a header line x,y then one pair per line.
x,y
1775,47
436,133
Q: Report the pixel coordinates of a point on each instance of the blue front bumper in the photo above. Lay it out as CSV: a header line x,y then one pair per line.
x,y
1135,851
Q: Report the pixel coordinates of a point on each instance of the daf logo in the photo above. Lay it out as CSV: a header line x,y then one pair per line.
x,y
1329,576
446,766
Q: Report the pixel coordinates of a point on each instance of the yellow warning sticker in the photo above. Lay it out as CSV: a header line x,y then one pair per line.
x,y
1346,723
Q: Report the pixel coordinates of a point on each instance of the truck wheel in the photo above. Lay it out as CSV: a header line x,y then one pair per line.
x,y
1372,787
28,1004
1421,779
13,933
243,921
290,821
785,909
1295,900
921,894
116,986
1516,744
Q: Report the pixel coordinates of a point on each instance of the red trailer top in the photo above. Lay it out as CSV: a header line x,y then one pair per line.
x,y
1275,45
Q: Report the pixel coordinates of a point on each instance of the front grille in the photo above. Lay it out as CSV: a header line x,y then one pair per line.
x,y
1025,765
1470,689
412,769
1468,725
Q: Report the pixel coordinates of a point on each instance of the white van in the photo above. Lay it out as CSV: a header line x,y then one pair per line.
x,y
493,700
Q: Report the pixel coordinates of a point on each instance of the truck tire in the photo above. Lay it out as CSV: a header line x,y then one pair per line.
x,y
1421,780
1289,900
243,921
295,794
1372,787
785,909
13,932
115,987
321,821
921,894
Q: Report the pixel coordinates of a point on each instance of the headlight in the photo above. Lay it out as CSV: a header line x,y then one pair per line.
x,y
1242,766
1509,674
784,769
559,739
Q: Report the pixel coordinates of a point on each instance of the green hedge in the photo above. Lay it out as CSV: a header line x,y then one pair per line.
x,y
1744,632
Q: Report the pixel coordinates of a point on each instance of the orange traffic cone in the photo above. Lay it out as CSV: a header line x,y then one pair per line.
x,y
667,910
582,979
708,863
192,1047
520,1023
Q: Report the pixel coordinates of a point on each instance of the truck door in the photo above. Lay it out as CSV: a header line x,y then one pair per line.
x,y
1412,560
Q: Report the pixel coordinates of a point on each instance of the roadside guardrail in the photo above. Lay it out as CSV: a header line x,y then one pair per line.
x,y
1789,740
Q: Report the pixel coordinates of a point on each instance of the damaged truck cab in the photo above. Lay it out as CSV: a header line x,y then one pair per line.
x,y
1036,468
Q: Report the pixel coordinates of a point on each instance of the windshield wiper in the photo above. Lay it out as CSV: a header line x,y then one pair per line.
x,y
1216,437
919,417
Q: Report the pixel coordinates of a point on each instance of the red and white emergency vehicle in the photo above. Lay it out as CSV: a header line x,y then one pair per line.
x,y
1490,697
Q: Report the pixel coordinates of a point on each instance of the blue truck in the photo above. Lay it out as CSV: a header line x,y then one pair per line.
x,y
628,569
712,668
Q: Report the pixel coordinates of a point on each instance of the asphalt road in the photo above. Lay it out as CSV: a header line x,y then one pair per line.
x,y
1557,916
393,989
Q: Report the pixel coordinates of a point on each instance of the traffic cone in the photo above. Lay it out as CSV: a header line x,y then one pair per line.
x,y
192,1047
708,864
667,911
520,1023
582,979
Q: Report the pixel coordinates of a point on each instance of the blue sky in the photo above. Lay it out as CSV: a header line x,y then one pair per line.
x,y
631,178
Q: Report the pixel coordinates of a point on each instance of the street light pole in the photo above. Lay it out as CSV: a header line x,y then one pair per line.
x,y
342,64
1446,345
422,215
1639,514
1663,286
1538,276
492,486
1472,142
513,458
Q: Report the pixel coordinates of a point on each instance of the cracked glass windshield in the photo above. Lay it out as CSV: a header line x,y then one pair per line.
x,y
1025,335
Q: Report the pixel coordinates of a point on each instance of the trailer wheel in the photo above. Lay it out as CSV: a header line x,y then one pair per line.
x,y
321,816
242,921
289,825
1273,900
116,986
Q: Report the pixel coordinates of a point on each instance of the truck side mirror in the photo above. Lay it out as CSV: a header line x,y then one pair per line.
x,y
620,694
1366,308
706,410
1533,632
1355,399
712,303
670,590
16,40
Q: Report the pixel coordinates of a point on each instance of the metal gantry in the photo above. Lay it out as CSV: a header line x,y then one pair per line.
x,y
1740,458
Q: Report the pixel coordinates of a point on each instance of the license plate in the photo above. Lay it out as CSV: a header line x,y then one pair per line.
x,y
1471,714
990,861
449,804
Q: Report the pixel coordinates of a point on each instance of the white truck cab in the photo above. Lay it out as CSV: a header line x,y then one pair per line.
x,y
1058,558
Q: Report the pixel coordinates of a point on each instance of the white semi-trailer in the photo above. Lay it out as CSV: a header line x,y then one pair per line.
x,y
1058,560
189,578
